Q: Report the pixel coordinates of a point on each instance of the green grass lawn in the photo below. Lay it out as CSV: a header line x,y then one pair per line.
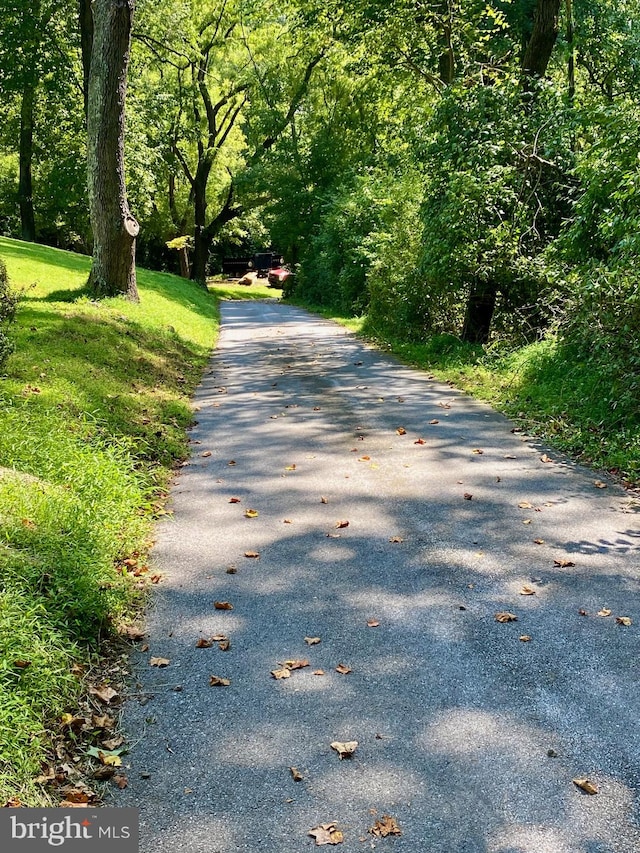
x,y
229,289
94,409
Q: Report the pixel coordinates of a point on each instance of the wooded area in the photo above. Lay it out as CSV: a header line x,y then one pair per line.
x,y
462,168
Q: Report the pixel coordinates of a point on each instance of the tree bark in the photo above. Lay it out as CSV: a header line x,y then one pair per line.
x,y
114,227
543,38
479,312
25,184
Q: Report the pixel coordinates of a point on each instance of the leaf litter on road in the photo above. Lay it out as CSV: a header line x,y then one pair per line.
x,y
326,833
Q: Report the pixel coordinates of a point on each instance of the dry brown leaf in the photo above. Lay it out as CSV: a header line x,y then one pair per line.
x,y
312,641
599,484
290,468
113,743
343,669
131,632
235,500
232,570
364,459
224,645
545,458
296,774
206,453
539,541
159,662
121,781
318,671
296,664
345,750
420,441
68,804
22,664
582,612
281,673
223,605
339,525
202,643
252,555
604,612
104,693
434,421
384,826
372,623
396,540
231,462
218,638
326,833
525,638
527,521
103,721
76,796
467,496
525,505
216,681
505,616
323,500
287,521
527,590
478,451
624,620
251,513
401,431
563,564
585,785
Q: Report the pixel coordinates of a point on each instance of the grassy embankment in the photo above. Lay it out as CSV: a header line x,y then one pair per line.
x,y
586,407
93,415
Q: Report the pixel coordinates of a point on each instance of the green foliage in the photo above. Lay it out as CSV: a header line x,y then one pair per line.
x,y
8,301
93,414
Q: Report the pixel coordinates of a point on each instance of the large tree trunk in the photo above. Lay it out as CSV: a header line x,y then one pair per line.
x,y
543,38
114,227
25,184
479,312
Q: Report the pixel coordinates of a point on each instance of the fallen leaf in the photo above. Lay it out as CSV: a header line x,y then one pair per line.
x,y
296,774
216,681
527,521
318,671
231,462
364,459
604,612
235,500
563,564
545,458
232,570
76,796
218,638
312,641
203,644
155,578
131,632
333,536
290,468
281,673
343,669
296,664
224,645
252,555
599,484
527,590
121,781
420,441
624,620
505,616
206,453
434,421
145,648
104,693
384,826
22,664
539,541
396,540
509,456
341,524
478,452
223,605
585,785
286,521
401,431
525,638
110,760
467,496
372,623
326,833
525,505
251,513
345,750
103,721
113,743
160,662
582,613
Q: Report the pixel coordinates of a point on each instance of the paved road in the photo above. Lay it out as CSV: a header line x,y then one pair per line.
x,y
467,736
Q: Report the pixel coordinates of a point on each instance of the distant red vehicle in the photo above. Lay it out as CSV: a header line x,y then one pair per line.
x,y
279,276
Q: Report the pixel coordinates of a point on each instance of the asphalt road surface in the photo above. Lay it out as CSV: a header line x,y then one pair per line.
x,y
469,735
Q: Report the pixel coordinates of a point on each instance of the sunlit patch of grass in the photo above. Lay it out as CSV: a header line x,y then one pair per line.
x,y
93,415
228,289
